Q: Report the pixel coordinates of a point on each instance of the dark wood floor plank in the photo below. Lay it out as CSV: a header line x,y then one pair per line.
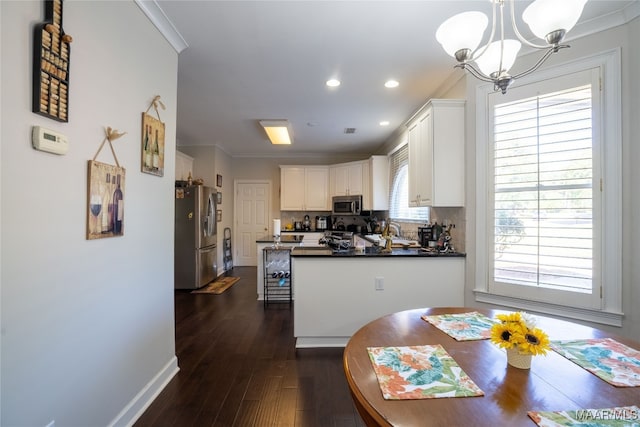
x,y
246,414
269,402
239,367
286,409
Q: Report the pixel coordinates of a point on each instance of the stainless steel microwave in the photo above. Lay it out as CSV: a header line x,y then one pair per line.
x,y
346,205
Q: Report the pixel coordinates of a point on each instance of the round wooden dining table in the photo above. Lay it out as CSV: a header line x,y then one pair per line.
x,y
553,383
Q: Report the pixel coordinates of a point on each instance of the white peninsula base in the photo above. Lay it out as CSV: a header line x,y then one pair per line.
x,y
336,296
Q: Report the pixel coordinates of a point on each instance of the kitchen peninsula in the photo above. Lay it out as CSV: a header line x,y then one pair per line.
x,y
338,292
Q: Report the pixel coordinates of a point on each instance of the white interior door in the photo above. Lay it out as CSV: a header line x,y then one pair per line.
x,y
252,214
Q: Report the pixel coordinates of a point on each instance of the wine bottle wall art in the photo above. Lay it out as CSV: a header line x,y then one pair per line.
x,y
105,212
152,145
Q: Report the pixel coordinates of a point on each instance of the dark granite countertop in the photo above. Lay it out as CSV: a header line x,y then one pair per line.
x,y
295,238
372,251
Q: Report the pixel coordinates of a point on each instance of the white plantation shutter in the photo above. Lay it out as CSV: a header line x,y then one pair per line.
x,y
543,207
549,192
399,189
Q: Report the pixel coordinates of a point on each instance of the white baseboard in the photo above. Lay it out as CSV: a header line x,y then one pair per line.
x,y
146,396
318,342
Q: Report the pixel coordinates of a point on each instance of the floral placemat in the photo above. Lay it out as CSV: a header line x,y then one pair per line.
x,y
462,326
610,360
625,416
420,372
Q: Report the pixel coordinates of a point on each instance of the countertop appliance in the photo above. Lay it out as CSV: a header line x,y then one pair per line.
x,y
321,223
346,205
195,251
425,236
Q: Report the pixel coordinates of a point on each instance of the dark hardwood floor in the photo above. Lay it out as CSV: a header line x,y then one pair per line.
x,y
239,367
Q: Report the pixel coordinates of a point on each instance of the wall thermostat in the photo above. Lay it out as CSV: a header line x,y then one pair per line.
x,y
49,141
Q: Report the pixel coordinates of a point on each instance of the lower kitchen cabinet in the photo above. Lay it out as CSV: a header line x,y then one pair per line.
x,y
334,297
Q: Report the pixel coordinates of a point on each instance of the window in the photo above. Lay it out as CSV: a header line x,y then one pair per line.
x,y
551,213
543,191
399,209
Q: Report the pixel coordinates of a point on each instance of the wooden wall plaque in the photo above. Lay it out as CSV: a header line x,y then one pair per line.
x,y
51,61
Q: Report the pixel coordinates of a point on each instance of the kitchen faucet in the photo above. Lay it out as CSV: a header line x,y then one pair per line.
x,y
394,229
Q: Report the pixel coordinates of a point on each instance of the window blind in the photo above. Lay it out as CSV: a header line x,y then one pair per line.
x,y
399,189
543,191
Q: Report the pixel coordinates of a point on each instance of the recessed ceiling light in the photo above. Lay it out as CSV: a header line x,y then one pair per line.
x,y
391,84
333,82
384,123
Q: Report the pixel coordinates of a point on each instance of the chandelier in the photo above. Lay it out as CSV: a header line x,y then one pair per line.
x,y
549,20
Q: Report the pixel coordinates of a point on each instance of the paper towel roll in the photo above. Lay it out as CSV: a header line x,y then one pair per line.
x,y
276,227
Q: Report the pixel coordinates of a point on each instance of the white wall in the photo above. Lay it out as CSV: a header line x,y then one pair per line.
x,y
86,325
623,37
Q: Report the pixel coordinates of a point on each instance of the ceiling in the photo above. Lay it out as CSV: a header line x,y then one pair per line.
x,y
255,60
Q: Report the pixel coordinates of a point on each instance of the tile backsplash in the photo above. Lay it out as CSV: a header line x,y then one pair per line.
x,y
446,216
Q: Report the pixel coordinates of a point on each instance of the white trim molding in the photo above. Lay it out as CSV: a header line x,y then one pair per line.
x,y
162,22
596,316
136,407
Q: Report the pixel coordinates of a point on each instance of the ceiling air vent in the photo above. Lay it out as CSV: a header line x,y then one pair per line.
x,y
349,130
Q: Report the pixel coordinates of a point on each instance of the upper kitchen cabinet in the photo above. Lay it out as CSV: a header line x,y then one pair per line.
x,y
348,178
184,166
370,178
304,188
436,155
376,194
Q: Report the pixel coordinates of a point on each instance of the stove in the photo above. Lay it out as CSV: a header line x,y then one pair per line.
x,y
338,240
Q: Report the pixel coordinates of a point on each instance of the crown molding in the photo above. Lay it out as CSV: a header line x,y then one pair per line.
x,y
605,22
157,16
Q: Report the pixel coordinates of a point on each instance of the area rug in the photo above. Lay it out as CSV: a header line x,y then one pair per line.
x,y
218,286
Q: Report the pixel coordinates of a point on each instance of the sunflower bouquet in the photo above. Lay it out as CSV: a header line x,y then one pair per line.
x,y
518,331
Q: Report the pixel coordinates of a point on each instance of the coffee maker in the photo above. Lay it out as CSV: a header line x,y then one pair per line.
x,y
321,223
425,236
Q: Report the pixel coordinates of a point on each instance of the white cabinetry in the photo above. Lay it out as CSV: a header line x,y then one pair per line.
x,y
370,178
376,197
304,188
184,166
328,311
348,178
436,155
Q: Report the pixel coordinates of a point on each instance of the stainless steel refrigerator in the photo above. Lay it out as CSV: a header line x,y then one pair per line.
x,y
195,251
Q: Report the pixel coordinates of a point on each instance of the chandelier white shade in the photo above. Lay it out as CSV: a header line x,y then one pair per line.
x,y
546,16
489,62
461,35
462,31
